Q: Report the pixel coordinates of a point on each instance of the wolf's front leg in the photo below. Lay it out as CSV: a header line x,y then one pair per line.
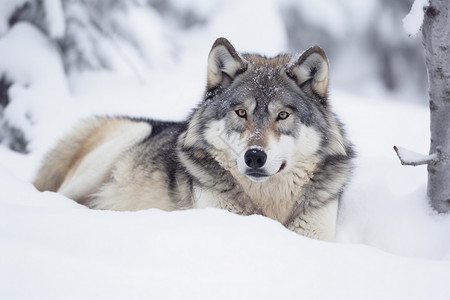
x,y
316,223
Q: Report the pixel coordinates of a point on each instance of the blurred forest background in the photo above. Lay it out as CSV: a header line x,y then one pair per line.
x,y
369,51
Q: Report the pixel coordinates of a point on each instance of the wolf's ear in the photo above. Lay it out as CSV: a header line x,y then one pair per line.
x,y
310,71
224,63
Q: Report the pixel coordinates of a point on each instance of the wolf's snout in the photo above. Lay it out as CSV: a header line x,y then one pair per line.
x,y
255,158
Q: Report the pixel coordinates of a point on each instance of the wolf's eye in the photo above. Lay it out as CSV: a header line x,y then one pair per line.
x,y
242,113
282,115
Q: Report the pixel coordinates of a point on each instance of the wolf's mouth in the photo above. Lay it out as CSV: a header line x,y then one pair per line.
x,y
257,174
262,176
257,177
283,166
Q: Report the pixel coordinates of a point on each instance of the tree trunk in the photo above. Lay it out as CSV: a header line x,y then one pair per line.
x,y
436,40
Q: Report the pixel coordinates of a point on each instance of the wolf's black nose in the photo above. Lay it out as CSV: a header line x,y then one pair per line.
x,y
255,158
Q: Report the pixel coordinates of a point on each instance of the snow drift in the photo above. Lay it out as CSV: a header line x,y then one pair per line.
x,y
52,248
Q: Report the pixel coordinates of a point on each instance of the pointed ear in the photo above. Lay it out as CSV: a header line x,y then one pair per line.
x,y
310,71
224,63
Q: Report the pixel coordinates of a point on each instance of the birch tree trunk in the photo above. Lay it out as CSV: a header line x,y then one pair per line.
x,y
436,41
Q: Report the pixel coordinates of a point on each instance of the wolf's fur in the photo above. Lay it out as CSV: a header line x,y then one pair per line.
x,y
263,141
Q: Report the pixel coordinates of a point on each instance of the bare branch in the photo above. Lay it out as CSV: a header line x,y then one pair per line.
x,y
411,158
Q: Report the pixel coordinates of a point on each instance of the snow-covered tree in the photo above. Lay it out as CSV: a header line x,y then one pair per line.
x,y
436,42
123,36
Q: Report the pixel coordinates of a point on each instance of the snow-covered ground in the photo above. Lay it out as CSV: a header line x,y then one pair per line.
x,y
52,248
390,244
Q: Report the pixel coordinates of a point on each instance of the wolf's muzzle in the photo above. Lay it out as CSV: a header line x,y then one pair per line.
x,y
255,158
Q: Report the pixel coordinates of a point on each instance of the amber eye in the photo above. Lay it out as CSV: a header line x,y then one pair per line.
x,y
242,113
282,115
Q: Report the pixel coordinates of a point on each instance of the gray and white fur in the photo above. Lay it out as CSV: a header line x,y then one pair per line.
x,y
263,141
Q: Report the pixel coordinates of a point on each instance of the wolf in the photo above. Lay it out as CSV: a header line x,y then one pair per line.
x,y
264,140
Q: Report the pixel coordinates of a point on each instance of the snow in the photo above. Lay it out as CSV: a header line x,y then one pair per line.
x,y
39,83
7,7
385,204
409,157
390,244
52,247
414,20
254,22
55,18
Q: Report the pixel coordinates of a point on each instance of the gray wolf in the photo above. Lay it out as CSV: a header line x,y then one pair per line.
x,y
263,141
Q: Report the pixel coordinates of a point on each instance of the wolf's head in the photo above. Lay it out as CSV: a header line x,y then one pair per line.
x,y
266,116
